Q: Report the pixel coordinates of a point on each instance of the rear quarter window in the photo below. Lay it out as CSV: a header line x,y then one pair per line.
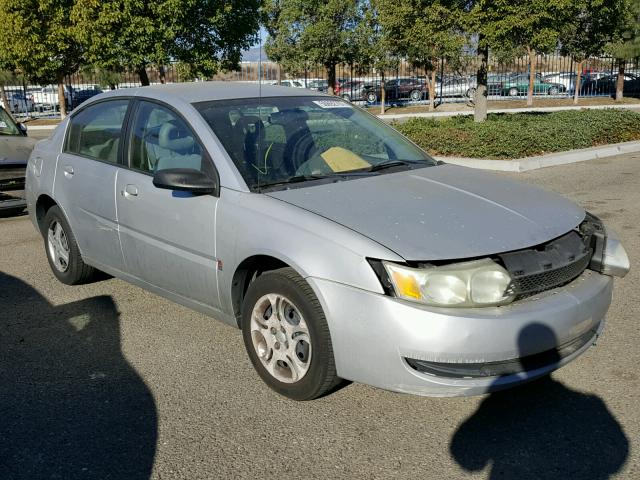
x,y
96,131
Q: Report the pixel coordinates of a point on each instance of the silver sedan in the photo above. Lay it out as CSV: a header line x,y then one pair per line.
x,y
339,248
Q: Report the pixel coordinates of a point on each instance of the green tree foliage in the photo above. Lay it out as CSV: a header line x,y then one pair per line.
x,y
375,48
37,39
630,37
424,32
514,27
589,26
316,31
626,41
204,35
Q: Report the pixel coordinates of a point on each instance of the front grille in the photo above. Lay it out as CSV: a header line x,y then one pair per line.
x,y
548,266
539,282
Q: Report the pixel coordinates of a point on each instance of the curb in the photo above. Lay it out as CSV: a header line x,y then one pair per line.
x,y
35,128
550,160
407,116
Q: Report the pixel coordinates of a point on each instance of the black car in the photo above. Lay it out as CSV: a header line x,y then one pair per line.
x,y
80,96
15,148
607,85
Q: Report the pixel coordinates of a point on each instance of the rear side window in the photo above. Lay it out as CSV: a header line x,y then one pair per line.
x,y
96,131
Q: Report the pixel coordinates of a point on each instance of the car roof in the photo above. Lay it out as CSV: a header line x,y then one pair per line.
x,y
193,92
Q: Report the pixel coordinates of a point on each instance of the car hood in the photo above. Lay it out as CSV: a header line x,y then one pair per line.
x,y
15,149
441,213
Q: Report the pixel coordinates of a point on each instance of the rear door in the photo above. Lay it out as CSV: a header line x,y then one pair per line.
x,y
85,180
168,237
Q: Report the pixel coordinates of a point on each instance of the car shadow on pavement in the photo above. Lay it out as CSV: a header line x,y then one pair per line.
x,y
541,430
70,404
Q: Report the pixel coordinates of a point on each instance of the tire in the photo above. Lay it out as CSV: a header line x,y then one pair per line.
x,y
73,271
268,336
513,92
471,93
553,91
346,97
415,95
372,97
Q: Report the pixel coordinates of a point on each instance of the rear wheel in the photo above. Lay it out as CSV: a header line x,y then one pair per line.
x,y
372,97
416,95
513,91
62,250
471,93
553,91
287,337
346,97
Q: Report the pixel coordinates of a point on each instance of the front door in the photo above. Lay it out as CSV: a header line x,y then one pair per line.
x,y
168,237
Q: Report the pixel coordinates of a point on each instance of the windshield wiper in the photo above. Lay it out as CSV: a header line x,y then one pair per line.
x,y
294,179
393,163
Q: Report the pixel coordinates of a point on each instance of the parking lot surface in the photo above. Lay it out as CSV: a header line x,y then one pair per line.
x,y
108,381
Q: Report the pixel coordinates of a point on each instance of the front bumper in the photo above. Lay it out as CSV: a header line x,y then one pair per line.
x,y
373,335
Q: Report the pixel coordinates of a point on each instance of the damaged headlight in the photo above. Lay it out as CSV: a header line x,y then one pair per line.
x,y
479,283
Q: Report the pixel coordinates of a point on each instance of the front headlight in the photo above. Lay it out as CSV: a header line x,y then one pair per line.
x,y
479,283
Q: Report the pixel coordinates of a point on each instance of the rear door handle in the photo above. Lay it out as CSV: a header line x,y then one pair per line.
x,y
68,171
130,191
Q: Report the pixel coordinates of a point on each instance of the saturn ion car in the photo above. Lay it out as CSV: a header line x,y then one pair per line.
x,y
339,248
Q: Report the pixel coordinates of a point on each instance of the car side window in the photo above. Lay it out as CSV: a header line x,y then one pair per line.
x,y
161,140
95,132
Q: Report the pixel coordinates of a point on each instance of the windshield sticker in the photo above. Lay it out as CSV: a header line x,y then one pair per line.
x,y
331,104
4,125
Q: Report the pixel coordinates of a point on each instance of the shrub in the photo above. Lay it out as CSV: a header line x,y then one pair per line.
x,y
509,136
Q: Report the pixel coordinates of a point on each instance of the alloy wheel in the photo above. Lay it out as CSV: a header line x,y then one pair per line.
x,y
58,246
281,338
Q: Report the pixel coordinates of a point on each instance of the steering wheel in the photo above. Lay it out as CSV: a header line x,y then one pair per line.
x,y
299,148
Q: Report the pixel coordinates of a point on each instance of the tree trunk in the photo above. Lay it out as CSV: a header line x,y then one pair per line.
x,y
62,101
383,94
144,78
331,78
5,101
279,75
620,80
480,110
162,74
432,90
532,75
576,94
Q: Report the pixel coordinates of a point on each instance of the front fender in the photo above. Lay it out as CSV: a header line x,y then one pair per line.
x,y
249,224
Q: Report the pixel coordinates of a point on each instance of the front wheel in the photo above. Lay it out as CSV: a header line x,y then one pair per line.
x,y
62,250
416,95
287,337
471,93
372,97
553,91
346,97
513,92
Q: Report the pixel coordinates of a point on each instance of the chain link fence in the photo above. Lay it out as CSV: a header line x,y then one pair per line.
x,y
555,78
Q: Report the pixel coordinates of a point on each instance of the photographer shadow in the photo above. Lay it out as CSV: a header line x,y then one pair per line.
x,y
542,430
71,406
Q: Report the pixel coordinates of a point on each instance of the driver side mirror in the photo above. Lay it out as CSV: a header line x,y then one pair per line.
x,y
186,180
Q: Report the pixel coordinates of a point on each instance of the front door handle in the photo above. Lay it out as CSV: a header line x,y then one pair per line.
x,y
68,171
130,191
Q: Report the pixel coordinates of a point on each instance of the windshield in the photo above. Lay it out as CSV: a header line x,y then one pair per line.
x,y
7,127
281,140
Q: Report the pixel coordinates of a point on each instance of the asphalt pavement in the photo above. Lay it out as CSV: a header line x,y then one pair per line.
x,y
109,381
